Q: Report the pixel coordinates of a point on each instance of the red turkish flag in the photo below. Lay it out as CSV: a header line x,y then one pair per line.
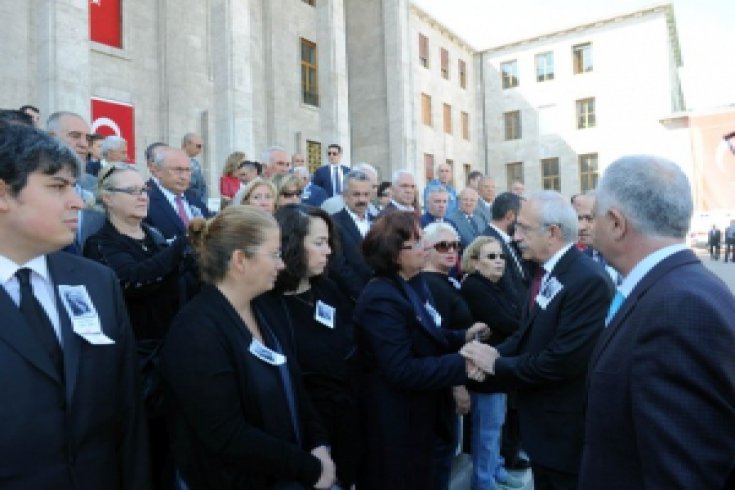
x,y
105,22
114,118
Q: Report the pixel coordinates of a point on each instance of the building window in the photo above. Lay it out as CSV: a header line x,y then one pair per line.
x,y
313,155
582,58
450,162
424,50
467,169
445,63
545,66
550,179
428,166
310,2
509,71
513,173
426,109
588,171
512,122
465,126
309,73
586,113
105,23
462,69
447,118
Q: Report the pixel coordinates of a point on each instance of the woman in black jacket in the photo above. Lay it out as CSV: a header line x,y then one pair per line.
x,y
320,322
490,302
240,415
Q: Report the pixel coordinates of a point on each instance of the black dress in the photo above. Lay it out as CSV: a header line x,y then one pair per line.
x,y
326,356
493,304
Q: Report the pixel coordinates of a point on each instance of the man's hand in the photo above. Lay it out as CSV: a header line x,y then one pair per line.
x,y
478,331
474,372
481,355
461,400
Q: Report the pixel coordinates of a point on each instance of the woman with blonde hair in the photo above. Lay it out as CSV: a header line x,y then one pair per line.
x,y
259,193
288,189
229,184
241,417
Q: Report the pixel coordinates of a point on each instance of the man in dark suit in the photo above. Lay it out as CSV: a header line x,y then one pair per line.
x,y
661,401
349,269
584,205
714,241
329,177
311,194
71,414
172,206
486,190
506,207
464,219
436,205
546,359
730,241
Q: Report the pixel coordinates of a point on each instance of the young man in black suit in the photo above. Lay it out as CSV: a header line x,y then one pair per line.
x,y
71,413
546,359
661,399
329,177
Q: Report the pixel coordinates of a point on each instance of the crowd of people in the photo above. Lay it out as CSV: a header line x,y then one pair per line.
x,y
329,331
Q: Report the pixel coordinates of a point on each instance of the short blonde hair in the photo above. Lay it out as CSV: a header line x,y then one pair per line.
x,y
472,252
233,162
243,195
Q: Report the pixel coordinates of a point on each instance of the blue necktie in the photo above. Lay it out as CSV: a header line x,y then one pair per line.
x,y
617,301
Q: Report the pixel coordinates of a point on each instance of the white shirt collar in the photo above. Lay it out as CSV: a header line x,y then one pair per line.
x,y
554,259
401,206
644,267
8,268
503,235
355,217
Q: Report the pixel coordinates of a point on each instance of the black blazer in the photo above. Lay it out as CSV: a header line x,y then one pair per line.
x,y
89,430
348,268
229,416
661,402
163,217
492,304
449,302
323,177
410,364
546,361
155,281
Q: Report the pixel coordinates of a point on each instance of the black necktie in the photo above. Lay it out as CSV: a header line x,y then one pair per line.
x,y
38,320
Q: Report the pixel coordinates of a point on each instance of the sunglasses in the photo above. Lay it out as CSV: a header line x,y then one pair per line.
x,y
291,194
493,256
445,246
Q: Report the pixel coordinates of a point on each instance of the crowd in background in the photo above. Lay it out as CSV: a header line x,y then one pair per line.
x,y
335,331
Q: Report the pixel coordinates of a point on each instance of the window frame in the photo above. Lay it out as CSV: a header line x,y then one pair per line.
x,y
309,97
509,78
444,63
462,71
424,51
550,181
426,110
511,177
588,177
586,113
447,113
512,125
544,60
582,58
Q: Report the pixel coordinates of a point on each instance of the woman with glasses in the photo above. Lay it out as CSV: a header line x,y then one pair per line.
x,y
241,416
493,303
152,274
410,363
319,318
229,183
259,193
288,189
444,244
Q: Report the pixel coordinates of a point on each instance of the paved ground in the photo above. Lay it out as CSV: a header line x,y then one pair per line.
x,y
462,467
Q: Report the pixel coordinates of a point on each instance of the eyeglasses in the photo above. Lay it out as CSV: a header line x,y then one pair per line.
x,y
444,246
493,256
291,194
112,167
131,191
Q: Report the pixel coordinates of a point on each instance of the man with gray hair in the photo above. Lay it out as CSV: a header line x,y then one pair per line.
x,y
114,149
275,161
192,144
403,192
311,194
334,204
73,130
546,359
661,401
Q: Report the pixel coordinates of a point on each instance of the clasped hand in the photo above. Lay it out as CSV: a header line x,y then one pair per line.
x,y
329,475
479,356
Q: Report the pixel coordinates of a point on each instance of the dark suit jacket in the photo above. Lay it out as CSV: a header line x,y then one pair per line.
x,y
661,403
348,268
230,420
314,195
163,217
515,279
546,361
464,228
714,237
323,177
409,366
87,432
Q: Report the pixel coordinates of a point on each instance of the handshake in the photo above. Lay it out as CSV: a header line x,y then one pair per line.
x,y
479,358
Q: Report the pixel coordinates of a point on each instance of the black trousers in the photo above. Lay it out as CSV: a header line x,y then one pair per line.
x,y
549,479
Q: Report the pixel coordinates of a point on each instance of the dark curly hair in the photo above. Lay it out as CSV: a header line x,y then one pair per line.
x,y
295,222
383,242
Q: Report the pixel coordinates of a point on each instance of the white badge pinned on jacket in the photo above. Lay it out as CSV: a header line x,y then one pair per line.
x,y
434,314
265,354
549,289
324,314
84,318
